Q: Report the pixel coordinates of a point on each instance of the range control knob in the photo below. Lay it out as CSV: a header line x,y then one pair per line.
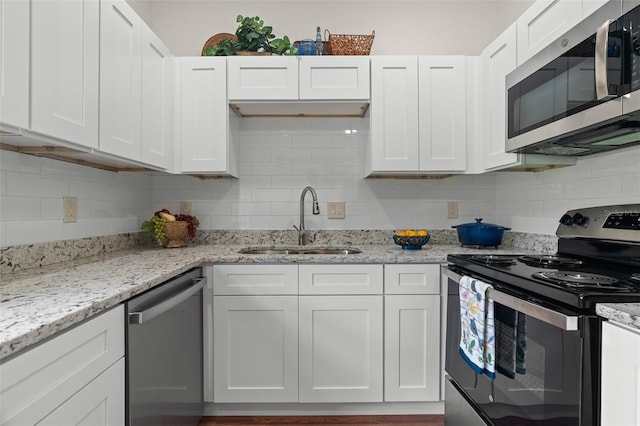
x,y
566,220
580,219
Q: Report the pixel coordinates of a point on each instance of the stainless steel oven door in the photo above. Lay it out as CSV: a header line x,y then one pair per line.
x,y
547,387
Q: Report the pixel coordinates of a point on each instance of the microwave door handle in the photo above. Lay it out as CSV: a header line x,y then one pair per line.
x,y
601,55
136,318
549,316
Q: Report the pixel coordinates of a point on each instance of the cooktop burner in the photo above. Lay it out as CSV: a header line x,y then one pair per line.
x,y
490,259
583,280
550,261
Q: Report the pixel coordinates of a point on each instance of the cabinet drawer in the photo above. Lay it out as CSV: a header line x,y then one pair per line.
x,y
325,77
412,279
35,383
340,279
255,279
262,78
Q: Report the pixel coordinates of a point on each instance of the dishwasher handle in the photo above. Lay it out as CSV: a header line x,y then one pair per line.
x,y
549,316
138,317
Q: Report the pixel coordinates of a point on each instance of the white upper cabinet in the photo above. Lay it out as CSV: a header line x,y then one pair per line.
x,y
496,61
120,79
64,84
543,22
590,6
14,63
263,78
442,120
202,120
157,100
394,114
334,77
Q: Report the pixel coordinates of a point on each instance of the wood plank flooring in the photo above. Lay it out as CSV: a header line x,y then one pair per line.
x,y
404,420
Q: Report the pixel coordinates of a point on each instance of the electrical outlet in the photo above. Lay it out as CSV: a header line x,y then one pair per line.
x,y
452,210
186,207
69,209
335,210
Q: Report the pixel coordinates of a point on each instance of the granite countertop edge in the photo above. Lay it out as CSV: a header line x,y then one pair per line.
x,y
624,313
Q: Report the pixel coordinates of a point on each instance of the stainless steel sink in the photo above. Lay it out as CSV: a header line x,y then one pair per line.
x,y
298,250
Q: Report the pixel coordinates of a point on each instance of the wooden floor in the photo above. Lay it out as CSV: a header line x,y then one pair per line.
x,y
410,420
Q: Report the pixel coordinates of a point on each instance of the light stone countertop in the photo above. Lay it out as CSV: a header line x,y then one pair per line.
x,y
38,303
624,313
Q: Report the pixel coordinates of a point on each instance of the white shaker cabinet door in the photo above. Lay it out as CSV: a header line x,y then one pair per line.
x,y
496,61
334,77
442,107
14,63
263,77
412,348
255,348
201,115
620,402
120,79
543,22
157,100
64,69
394,114
340,348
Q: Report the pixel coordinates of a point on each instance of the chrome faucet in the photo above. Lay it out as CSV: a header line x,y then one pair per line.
x,y
316,210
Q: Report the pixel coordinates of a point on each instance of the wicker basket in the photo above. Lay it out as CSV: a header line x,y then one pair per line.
x,y
176,233
350,44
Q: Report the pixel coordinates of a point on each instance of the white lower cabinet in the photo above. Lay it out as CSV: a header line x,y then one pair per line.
x,y
620,401
76,378
326,333
412,333
341,348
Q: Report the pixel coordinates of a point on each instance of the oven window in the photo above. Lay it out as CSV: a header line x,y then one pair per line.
x,y
563,87
544,389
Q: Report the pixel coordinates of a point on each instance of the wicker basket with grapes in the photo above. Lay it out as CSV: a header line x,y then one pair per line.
x,y
163,226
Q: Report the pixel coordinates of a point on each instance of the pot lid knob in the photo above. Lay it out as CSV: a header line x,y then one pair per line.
x,y
479,220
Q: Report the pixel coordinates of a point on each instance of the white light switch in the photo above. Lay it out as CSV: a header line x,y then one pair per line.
x,y
186,207
452,210
335,210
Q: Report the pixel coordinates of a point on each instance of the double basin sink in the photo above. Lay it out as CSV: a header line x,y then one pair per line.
x,y
298,250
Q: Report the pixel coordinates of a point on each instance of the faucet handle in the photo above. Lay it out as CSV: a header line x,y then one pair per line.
x,y
297,229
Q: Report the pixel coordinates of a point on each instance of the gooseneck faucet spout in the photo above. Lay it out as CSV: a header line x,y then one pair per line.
x,y
316,210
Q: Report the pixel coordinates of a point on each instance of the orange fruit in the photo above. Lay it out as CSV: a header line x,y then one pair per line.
x,y
422,233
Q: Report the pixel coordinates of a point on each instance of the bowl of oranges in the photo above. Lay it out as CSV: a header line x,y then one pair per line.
x,y
411,239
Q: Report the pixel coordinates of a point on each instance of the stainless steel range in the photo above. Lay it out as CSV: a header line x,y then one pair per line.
x,y
547,334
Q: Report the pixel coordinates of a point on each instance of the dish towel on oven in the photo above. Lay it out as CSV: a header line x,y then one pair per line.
x,y
477,340
511,341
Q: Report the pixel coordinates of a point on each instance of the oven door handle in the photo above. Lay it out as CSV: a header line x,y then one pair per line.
x,y
549,316
138,317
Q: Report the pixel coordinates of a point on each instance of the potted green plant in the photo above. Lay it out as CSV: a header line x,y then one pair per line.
x,y
226,47
253,35
282,46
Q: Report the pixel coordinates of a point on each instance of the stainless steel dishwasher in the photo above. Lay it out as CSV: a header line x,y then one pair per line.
x,y
164,353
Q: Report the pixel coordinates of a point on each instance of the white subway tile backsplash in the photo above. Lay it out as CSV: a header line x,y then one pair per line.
x,y
271,195
51,208
30,185
631,186
599,187
19,208
33,231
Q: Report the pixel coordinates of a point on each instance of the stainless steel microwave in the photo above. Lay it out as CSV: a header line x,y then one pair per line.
x,y
581,94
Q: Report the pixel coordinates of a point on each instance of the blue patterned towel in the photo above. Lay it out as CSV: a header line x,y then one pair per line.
x,y
477,341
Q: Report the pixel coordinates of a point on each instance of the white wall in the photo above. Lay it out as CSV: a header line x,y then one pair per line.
x,y
402,27
31,191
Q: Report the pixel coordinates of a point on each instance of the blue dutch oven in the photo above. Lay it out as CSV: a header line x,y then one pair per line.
x,y
480,234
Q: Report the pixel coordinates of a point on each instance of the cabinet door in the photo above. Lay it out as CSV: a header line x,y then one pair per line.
x,y
340,279
64,69
157,98
620,400
412,279
340,348
590,6
100,403
334,77
255,349
263,78
412,348
543,22
394,114
202,114
14,63
442,107
496,61
120,79
35,383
